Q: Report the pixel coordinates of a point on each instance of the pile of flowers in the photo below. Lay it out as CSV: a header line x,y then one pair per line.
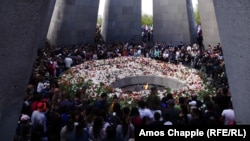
x,y
99,74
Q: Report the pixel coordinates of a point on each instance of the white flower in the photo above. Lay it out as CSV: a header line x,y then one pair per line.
x,y
132,67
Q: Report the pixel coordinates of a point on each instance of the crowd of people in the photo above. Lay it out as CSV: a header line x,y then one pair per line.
x,y
147,33
50,114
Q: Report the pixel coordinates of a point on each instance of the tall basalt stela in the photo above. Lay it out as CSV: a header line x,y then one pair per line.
x,y
233,18
21,26
171,21
122,20
47,23
73,22
208,23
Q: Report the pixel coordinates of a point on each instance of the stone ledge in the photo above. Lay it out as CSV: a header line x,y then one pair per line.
x,y
151,80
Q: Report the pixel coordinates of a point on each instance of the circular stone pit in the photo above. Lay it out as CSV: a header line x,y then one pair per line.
x,y
137,83
126,71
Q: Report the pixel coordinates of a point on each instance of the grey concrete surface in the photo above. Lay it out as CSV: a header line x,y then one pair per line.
x,y
171,21
122,20
233,19
192,23
208,23
73,22
20,32
47,23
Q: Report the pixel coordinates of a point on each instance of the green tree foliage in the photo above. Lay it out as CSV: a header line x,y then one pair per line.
x,y
99,20
197,16
147,19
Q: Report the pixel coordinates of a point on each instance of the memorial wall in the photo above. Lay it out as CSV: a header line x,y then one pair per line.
x,y
23,23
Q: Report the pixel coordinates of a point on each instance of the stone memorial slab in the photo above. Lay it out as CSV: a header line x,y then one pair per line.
x,y
73,22
122,22
22,24
171,21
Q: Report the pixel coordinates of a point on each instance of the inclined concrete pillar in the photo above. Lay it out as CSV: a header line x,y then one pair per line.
x,y
21,25
47,23
208,23
233,18
122,21
171,21
191,20
73,22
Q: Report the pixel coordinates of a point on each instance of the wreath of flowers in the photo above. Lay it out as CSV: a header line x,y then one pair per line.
x,y
97,75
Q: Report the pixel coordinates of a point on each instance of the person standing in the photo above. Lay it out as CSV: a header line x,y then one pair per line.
x,y
125,130
153,101
68,62
39,120
68,131
98,131
228,115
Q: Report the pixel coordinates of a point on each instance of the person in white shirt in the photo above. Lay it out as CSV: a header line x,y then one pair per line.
x,y
189,48
68,62
139,50
165,55
42,88
228,115
144,111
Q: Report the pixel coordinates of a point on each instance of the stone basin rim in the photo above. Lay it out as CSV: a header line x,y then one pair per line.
x,y
163,81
